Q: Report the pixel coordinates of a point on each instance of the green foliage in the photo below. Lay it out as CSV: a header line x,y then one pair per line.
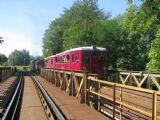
x,y
154,54
3,59
83,16
127,37
53,38
73,29
19,57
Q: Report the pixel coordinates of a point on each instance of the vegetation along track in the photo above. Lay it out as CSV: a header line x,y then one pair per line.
x,y
13,109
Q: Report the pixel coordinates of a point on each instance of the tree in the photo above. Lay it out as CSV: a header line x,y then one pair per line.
x,y
127,37
142,29
73,29
53,38
1,40
154,54
83,15
3,59
19,57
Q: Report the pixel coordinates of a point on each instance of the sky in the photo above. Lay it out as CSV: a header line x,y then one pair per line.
x,y
23,22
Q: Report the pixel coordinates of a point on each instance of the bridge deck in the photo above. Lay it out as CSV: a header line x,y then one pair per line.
x,y
69,105
32,108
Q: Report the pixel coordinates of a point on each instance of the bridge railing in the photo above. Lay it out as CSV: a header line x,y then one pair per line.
x,y
117,100
6,72
150,80
71,82
123,101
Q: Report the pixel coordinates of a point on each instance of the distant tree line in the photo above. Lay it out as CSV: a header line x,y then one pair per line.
x,y
132,39
17,57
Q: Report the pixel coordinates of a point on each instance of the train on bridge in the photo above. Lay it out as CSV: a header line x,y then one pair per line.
x,y
92,58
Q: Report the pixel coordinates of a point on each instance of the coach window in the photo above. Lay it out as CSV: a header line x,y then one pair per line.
x,y
58,59
77,57
72,57
65,59
51,61
68,58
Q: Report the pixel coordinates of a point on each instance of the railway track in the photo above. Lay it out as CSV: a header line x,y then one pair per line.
x,y
10,111
50,107
13,110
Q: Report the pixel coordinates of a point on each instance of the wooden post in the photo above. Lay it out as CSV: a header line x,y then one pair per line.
x,y
130,79
55,77
120,104
64,82
149,81
0,75
86,87
48,74
99,98
114,99
154,105
45,73
53,80
95,96
4,74
71,88
41,73
117,76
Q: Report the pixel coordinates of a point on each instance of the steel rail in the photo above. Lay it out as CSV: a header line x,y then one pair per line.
x,y
56,110
18,91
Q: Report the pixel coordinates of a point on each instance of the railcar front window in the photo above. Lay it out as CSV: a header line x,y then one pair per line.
x,y
85,58
102,58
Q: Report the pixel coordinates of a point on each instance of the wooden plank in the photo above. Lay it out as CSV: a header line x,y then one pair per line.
x,y
123,103
154,106
155,82
142,81
120,85
114,100
80,87
135,79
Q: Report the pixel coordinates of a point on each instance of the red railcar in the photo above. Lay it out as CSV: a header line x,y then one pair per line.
x,y
92,58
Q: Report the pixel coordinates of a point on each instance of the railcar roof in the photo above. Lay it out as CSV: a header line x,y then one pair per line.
x,y
91,48
49,57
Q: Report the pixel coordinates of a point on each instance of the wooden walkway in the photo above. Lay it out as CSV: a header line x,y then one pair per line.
x,y
69,105
32,108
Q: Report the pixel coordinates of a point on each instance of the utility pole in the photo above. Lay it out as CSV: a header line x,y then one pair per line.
x,y
24,61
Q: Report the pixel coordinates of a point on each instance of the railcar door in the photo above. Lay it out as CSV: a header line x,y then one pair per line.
x,y
93,62
97,62
86,60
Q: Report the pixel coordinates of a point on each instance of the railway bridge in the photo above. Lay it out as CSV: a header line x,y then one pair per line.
x,y
67,95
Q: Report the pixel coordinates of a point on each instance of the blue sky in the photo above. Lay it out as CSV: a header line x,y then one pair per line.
x,y
23,22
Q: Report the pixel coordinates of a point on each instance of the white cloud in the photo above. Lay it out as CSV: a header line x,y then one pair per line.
x,y
14,41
